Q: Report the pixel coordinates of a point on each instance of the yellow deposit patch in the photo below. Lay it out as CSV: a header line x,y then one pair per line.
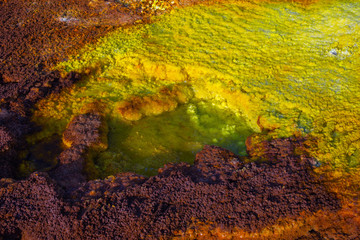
x,y
276,66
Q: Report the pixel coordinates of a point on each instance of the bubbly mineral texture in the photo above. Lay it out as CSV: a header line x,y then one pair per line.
x,y
225,68
220,187
84,133
86,129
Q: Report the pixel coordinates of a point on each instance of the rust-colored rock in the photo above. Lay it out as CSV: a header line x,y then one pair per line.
x,y
84,134
69,173
167,100
220,187
86,129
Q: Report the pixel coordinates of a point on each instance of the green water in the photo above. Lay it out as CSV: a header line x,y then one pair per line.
x,y
145,145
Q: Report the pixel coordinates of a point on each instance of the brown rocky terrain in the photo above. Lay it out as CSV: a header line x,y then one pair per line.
x,y
220,187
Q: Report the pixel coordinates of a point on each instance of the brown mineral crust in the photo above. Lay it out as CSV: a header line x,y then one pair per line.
x,y
166,100
35,208
12,127
343,224
220,187
69,172
6,139
112,184
259,146
7,156
222,163
84,133
85,129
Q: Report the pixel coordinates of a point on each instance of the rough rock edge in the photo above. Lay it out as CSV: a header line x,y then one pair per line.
x,y
220,187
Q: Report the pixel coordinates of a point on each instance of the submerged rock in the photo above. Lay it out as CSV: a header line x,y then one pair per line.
x,y
85,134
86,129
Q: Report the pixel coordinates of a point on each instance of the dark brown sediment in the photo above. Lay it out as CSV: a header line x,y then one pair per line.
x,y
12,129
220,187
85,133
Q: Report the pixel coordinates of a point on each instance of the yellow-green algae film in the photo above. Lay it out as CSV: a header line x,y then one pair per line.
x,y
276,66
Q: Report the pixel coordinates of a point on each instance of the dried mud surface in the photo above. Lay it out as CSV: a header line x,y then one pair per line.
x,y
220,187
